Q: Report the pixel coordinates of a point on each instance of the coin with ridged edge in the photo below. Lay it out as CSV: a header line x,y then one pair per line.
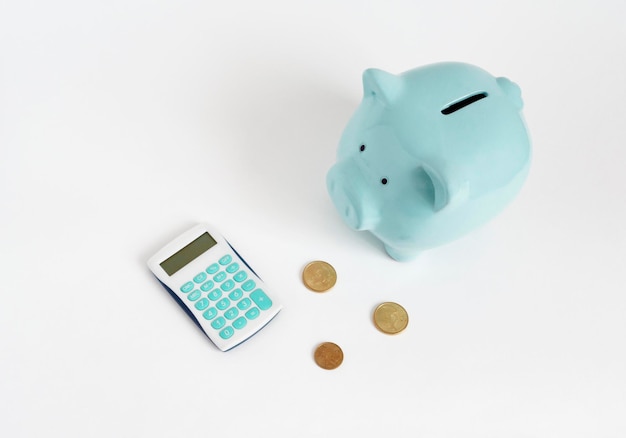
x,y
390,318
319,276
328,355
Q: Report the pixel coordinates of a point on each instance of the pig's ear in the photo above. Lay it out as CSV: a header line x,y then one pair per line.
x,y
512,90
382,85
449,191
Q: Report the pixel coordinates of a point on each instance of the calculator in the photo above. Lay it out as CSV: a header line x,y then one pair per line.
x,y
217,288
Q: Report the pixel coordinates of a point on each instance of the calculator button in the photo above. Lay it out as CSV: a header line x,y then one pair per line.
x,y
244,304
202,304
187,287
207,286
240,276
232,268
215,294
253,313
213,268
194,295
231,313
261,300
227,285
223,303
248,285
220,276
240,323
225,260
235,295
210,314
227,333
218,323
200,277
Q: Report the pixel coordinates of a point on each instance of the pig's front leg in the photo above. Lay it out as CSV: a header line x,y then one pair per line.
x,y
402,255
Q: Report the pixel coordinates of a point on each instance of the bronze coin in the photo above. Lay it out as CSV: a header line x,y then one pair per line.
x,y
328,355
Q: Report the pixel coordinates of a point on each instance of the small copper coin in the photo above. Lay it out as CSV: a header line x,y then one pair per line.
x,y
390,318
319,276
328,355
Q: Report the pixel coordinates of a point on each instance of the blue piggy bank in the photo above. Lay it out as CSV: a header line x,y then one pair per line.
x,y
429,155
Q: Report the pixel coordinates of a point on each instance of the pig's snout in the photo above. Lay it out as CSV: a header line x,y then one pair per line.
x,y
348,192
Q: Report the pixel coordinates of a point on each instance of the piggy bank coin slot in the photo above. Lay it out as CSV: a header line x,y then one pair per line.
x,y
453,107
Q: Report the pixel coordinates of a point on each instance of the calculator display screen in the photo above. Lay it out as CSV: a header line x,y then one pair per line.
x,y
190,252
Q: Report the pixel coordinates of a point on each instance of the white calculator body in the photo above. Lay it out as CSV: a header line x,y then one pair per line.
x,y
214,285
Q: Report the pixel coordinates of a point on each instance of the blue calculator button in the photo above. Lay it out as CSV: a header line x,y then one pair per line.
x,y
207,286
200,277
227,285
202,304
240,323
248,285
218,323
261,300
220,276
231,313
213,268
210,314
215,294
253,313
235,295
232,268
225,260
227,333
244,304
223,303
240,276
187,287
194,295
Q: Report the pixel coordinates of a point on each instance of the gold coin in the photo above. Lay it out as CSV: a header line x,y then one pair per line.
x,y
319,276
390,318
328,355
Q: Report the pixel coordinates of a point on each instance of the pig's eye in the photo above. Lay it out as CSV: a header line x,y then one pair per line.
x,y
362,148
384,181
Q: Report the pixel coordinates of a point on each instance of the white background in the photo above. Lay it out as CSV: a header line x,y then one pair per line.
x,y
123,123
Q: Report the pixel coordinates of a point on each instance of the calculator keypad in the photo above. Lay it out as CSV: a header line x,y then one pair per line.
x,y
224,295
